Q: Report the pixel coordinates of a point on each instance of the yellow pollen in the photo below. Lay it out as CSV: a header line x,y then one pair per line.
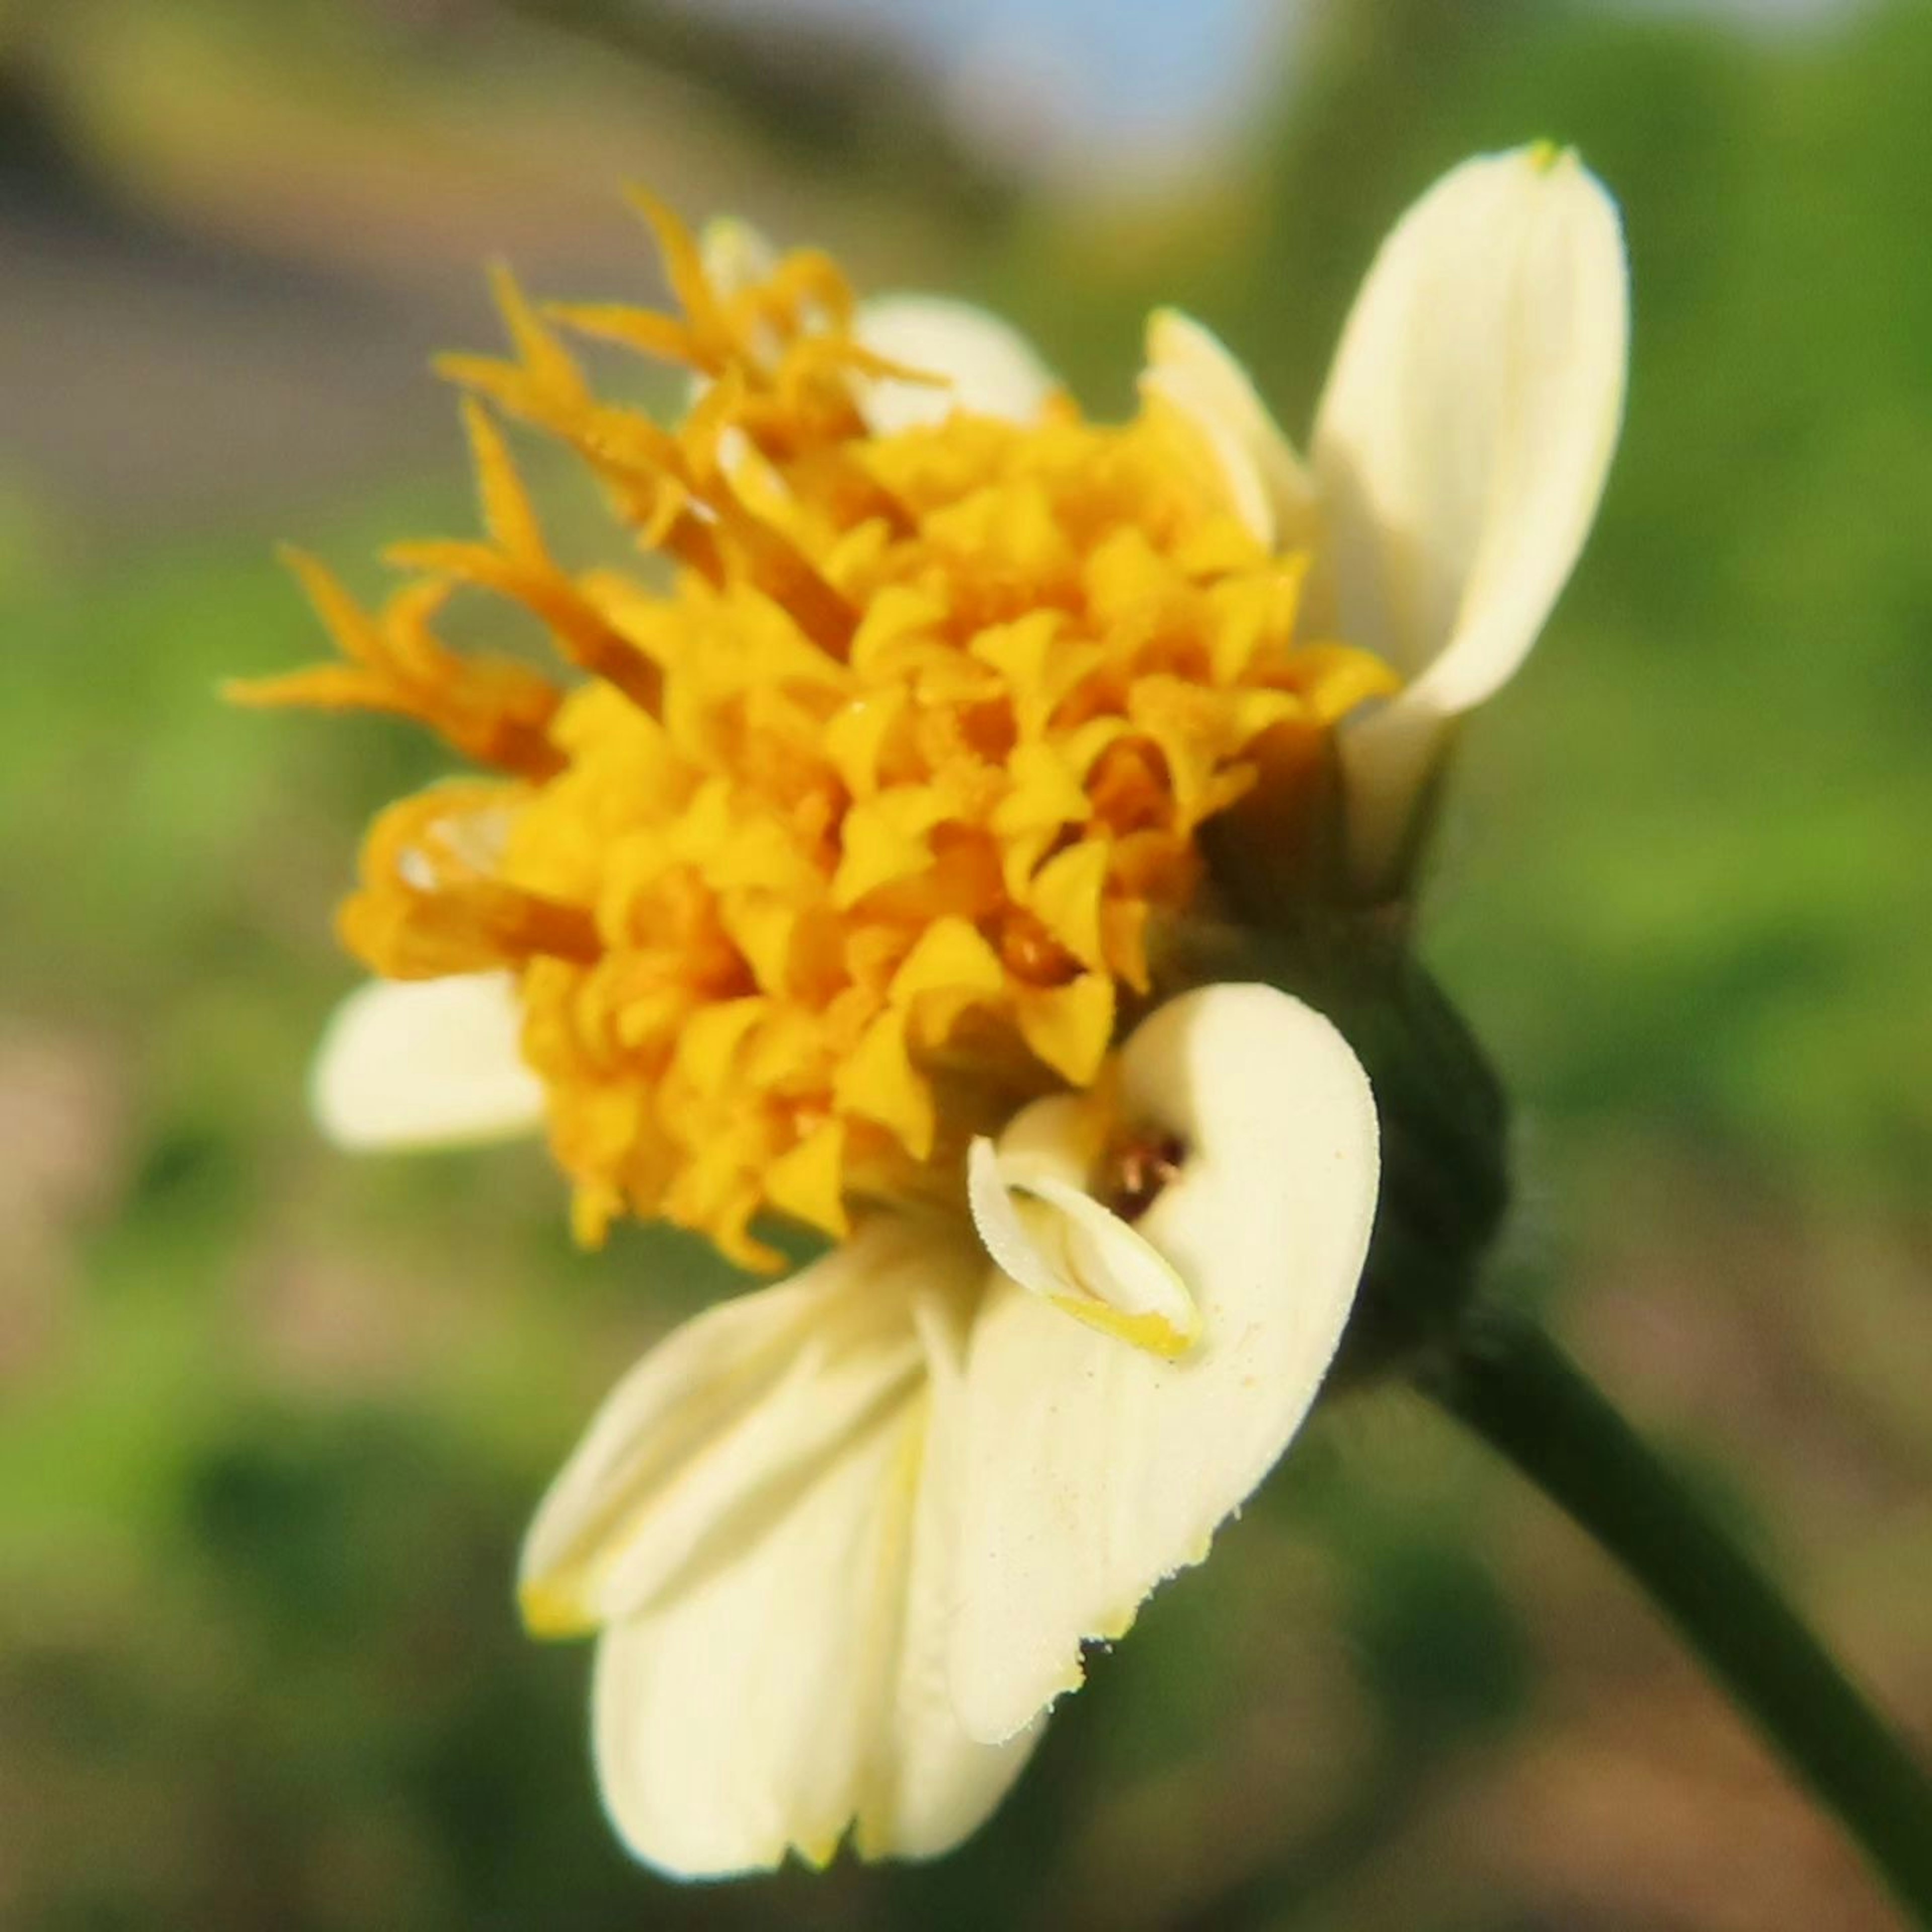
x,y
861,832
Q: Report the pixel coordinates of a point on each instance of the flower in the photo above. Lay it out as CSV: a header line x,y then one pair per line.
x,y
854,881
844,1537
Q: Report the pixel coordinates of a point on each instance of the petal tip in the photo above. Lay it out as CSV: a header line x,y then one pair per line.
x,y
548,1610
425,1064
993,1711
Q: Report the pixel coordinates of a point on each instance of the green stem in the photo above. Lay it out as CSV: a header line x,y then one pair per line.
x,y
1517,1391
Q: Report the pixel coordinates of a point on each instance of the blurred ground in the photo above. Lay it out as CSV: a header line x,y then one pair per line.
x,y
270,1420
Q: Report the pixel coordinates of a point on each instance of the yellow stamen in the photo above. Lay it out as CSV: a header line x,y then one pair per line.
x,y
853,838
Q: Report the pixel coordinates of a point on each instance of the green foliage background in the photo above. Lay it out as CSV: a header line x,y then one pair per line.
x,y
270,1420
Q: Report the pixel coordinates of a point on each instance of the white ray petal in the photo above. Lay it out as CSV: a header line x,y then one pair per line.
x,y
1094,1468
1461,448
425,1062
735,1722
1059,1242
1188,367
990,369
941,1783
731,1412
762,1520
736,254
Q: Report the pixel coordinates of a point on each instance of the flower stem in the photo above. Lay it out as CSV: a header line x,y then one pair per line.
x,y
1516,1389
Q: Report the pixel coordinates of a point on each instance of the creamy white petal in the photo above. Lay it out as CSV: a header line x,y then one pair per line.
x,y
735,253
990,368
763,1518
1056,1241
737,1722
1188,366
729,1414
425,1062
1094,1468
1462,444
941,1783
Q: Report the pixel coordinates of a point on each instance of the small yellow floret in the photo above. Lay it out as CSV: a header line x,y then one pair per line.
x,y
853,838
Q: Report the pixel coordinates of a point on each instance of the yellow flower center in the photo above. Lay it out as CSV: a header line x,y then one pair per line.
x,y
864,829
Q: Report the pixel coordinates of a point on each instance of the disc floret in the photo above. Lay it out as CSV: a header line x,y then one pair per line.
x,y
865,830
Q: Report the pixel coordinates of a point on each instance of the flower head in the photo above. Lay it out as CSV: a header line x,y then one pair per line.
x,y
846,874
862,831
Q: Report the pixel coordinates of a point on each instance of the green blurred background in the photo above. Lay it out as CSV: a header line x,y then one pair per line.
x,y
270,1420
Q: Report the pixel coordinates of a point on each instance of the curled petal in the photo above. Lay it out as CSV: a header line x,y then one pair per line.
x,y
1059,1242
987,367
1094,1468
426,1062
1461,448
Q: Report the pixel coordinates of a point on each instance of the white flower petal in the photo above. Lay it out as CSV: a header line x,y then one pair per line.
x,y
736,254
1095,1469
1061,1244
941,1782
736,1723
1461,445
725,1417
425,1062
763,1517
990,369
1187,366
